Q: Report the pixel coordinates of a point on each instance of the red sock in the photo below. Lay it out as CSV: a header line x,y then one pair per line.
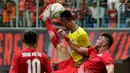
x,y
56,39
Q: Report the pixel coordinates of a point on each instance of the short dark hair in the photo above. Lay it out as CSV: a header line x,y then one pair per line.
x,y
30,37
110,38
67,15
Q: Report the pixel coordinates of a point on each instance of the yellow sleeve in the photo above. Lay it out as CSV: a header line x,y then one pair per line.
x,y
83,40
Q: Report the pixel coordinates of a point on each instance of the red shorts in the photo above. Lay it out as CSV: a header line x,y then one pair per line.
x,y
66,66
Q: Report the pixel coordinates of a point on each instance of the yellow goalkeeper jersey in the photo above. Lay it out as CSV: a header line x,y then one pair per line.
x,y
79,37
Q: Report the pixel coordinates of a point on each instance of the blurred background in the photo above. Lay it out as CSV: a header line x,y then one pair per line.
x,y
95,16
90,13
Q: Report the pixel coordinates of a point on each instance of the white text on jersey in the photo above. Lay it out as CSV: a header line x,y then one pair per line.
x,y
28,54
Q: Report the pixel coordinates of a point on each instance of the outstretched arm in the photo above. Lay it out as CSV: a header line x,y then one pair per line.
x,y
110,68
76,48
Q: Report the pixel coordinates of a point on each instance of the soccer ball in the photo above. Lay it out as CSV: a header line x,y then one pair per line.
x,y
56,10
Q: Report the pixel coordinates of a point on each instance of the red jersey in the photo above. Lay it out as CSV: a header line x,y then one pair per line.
x,y
97,62
30,61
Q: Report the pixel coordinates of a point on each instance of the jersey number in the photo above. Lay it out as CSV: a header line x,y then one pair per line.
x,y
35,63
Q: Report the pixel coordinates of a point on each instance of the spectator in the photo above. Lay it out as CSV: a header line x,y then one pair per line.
x,y
113,16
103,7
103,3
33,15
5,15
33,11
28,14
1,11
110,2
128,14
82,13
12,14
122,13
21,13
25,7
95,14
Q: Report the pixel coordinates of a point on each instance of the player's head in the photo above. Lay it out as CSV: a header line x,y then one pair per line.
x,y
30,37
105,39
67,19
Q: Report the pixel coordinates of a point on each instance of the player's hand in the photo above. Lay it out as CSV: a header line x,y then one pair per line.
x,y
62,32
77,65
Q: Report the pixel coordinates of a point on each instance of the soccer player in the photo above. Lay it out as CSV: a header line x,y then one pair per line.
x,y
100,60
76,33
54,36
29,60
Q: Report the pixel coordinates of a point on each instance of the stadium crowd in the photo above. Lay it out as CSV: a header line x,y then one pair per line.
x,y
88,13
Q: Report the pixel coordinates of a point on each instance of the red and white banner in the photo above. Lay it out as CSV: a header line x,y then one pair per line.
x,y
11,41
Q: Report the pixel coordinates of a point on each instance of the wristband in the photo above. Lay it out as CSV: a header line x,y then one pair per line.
x,y
67,38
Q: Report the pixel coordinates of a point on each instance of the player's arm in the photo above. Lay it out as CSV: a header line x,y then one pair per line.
x,y
76,48
84,40
48,68
110,68
109,63
14,65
